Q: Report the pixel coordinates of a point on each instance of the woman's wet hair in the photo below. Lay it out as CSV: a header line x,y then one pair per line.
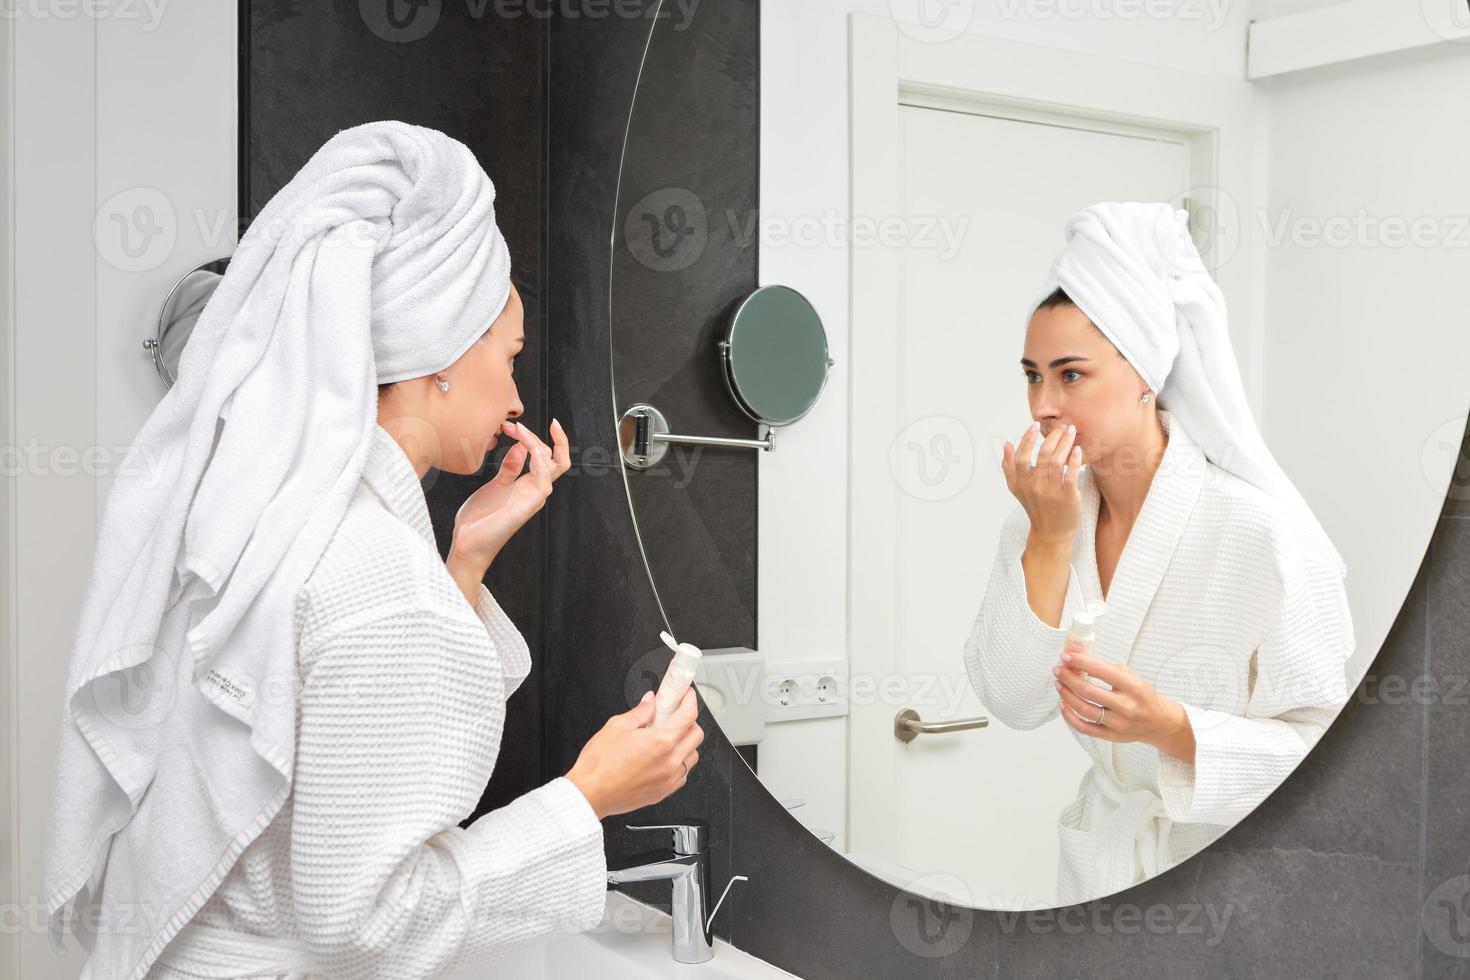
x,y
1059,297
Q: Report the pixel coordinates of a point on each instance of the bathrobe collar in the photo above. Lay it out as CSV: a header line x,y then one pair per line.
x,y
1183,472
1176,485
389,473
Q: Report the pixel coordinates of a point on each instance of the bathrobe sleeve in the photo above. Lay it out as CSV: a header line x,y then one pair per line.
x,y
515,656
1296,686
1010,651
400,722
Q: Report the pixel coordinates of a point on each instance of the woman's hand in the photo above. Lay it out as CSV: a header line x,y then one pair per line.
x,y
493,513
628,764
1135,711
1051,498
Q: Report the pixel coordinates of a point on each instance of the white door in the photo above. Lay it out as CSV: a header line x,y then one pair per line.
x,y
1003,188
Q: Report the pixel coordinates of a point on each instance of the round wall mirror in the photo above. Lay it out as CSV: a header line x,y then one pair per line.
x,y
902,696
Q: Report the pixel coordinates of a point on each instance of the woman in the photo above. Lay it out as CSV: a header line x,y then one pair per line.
x,y
280,796
1220,658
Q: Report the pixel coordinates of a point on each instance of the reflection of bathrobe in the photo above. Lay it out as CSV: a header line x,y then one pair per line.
x,y
1215,606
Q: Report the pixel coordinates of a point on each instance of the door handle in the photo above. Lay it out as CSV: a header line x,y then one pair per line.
x,y
907,725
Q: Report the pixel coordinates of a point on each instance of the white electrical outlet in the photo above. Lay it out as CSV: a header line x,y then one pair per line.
x,y
729,680
797,689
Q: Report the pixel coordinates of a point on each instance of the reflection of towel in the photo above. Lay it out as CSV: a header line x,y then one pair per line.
x,y
379,261
1134,271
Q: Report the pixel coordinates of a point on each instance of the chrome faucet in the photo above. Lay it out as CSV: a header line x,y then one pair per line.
x,y
688,868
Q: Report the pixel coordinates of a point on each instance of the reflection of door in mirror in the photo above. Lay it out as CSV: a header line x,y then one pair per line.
x,y
956,370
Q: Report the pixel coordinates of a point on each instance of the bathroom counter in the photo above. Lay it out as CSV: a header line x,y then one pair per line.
x,y
633,942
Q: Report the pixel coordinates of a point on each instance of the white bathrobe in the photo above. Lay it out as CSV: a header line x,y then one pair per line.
x,y
364,872
1217,606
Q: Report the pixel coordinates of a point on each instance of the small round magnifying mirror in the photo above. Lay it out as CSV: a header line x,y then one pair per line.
x,y
774,360
181,309
775,356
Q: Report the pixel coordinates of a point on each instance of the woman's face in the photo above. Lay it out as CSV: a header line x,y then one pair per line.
x,y
482,391
453,430
1087,389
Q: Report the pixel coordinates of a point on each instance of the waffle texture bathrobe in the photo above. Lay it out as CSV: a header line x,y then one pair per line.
x,y
1214,603
364,872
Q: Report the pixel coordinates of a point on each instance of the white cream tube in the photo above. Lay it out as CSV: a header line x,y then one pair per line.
x,y
677,678
1080,629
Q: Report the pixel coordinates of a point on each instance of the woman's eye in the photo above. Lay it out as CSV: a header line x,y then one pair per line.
x,y
1064,374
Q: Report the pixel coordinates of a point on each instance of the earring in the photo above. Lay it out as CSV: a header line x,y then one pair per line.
x,y
441,381
1146,396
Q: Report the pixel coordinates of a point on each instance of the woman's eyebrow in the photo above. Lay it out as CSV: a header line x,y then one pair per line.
x,y
1058,362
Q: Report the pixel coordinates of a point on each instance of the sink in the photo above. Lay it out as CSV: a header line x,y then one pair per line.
x,y
632,942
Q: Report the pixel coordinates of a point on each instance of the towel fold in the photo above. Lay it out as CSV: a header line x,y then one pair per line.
x,y
379,261
1133,269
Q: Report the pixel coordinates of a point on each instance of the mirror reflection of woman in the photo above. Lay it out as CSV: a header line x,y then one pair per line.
x,y
1221,656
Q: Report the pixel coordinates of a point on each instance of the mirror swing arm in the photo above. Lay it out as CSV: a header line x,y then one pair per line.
x,y
650,433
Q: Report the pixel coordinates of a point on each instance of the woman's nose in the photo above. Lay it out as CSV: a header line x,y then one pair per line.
x,y
1044,411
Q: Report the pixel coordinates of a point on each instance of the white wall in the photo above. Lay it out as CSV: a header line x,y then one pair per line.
x,y
130,99
1365,332
9,883
1283,8
52,387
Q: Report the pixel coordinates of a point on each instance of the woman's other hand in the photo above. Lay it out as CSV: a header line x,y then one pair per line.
x,y
496,511
1048,490
628,764
1136,712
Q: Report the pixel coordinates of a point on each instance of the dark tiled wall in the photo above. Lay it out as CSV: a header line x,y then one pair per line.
x,y
701,533
310,70
685,257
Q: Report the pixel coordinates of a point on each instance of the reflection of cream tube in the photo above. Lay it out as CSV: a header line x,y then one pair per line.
x,y
1080,629
677,678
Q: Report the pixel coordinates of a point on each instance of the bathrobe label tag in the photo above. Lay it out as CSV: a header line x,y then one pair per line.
x,y
242,691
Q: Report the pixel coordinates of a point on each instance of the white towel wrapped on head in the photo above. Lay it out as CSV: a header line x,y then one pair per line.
x,y
379,261
1134,270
